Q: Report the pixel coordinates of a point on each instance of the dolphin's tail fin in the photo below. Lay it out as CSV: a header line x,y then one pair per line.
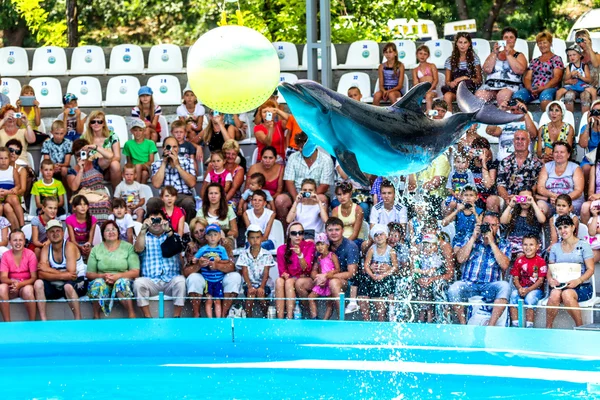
x,y
485,113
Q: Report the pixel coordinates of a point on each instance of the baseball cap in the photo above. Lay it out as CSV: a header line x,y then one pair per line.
x,y
145,90
137,123
379,228
187,89
251,228
54,224
212,228
575,48
69,97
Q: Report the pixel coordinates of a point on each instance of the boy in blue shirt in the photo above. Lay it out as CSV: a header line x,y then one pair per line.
x,y
207,256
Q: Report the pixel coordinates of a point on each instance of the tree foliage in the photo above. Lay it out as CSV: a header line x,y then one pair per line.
x,y
46,28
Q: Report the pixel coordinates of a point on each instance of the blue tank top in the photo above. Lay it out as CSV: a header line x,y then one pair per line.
x,y
384,258
390,79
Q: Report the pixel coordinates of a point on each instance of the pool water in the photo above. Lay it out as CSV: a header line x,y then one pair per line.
x,y
260,359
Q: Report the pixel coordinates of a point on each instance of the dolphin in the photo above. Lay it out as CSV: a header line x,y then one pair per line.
x,y
385,141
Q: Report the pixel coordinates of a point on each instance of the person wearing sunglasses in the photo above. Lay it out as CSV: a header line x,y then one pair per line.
x,y
178,172
295,262
26,174
10,204
104,147
15,128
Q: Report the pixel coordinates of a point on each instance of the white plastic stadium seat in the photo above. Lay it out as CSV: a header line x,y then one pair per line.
x,y
145,193
286,77
97,236
27,231
582,124
522,47
596,44
11,87
559,47
48,92
49,60
440,50
13,61
88,60
276,234
166,88
362,54
87,89
407,53
126,59
358,79
569,118
164,128
441,82
288,56
165,58
117,124
122,91
482,49
305,58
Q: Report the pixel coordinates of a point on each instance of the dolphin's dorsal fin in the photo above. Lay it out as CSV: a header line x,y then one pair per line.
x,y
412,99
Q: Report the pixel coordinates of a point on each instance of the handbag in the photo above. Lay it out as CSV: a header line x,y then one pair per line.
x,y
172,246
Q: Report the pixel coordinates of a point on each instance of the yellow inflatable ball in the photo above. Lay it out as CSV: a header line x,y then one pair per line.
x,y
233,69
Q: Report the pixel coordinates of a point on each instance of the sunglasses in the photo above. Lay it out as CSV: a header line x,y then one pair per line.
x,y
378,234
16,151
297,233
344,185
96,122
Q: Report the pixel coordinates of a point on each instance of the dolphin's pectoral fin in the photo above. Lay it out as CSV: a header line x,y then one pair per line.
x,y
412,99
485,113
466,100
349,164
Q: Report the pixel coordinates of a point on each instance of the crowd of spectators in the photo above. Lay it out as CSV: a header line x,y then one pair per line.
x,y
219,247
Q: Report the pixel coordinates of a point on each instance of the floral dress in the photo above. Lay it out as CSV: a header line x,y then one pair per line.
x,y
543,72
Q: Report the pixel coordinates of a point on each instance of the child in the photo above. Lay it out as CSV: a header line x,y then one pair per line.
x,y
426,72
209,255
351,214
564,206
255,264
391,76
255,183
33,113
261,216
466,216
129,190
528,274
326,265
186,148
39,222
175,215
441,109
58,150
10,204
459,177
308,210
73,117
123,219
522,217
218,173
81,225
577,79
427,264
191,113
147,111
355,93
381,264
48,186
140,151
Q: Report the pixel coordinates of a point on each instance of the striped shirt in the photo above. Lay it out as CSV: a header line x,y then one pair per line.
x,y
212,275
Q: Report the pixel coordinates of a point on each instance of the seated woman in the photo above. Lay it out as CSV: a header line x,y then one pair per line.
x,y
18,272
272,171
554,131
103,148
10,187
271,131
309,210
16,128
111,268
216,133
544,76
569,250
235,163
462,66
86,179
504,68
216,211
557,177
351,214
294,260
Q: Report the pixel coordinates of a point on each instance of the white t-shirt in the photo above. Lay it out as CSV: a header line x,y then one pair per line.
x,y
124,223
125,192
183,112
379,215
310,217
263,221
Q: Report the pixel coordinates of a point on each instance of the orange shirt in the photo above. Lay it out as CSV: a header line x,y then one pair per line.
x,y
294,128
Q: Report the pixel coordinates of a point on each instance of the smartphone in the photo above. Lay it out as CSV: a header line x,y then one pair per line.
x,y
501,45
269,116
83,155
432,113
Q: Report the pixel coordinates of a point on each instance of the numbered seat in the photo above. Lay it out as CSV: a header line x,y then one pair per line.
x,y
407,53
440,50
289,78
305,58
559,47
482,48
166,88
122,91
165,58
87,89
522,47
359,79
117,124
48,92
49,60
288,56
88,60
362,54
11,87
126,59
14,61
